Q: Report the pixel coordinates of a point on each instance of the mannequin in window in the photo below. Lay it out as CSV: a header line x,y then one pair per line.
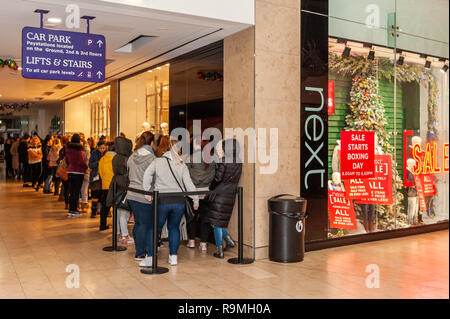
x,y
335,184
413,202
145,127
418,140
336,160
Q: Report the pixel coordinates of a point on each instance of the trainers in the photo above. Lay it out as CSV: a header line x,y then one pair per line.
x,y
139,258
160,244
147,262
127,240
202,247
73,214
191,244
173,260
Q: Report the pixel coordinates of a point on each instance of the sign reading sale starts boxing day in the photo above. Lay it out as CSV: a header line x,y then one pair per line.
x,y
357,154
341,211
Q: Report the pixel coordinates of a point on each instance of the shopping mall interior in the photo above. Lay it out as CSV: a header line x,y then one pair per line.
x,y
309,70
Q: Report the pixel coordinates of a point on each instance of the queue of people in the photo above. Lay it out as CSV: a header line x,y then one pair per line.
x,y
80,170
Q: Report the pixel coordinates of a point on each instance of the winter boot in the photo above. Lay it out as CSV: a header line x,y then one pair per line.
x,y
229,243
219,252
94,209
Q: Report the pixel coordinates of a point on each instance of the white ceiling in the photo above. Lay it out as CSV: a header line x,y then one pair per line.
x,y
176,33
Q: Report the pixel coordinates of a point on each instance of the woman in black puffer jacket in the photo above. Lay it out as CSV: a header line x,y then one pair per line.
x,y
220,206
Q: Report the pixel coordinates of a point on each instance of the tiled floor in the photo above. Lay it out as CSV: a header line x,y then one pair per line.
x,y
38,242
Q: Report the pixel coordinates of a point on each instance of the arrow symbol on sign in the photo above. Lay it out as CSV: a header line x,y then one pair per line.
x,y
99,74
100,43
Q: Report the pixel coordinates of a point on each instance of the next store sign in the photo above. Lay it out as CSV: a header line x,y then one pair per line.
x,y
62,55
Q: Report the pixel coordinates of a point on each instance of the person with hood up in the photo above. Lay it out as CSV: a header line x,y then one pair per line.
x,y
106,173
141,208
76,167
123,148
169,174
35,160
202,174
220,206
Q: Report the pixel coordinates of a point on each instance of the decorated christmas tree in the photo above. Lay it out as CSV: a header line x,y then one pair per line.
x,y
367,113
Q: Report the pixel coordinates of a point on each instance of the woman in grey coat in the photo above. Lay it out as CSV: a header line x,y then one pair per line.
x,y
142,209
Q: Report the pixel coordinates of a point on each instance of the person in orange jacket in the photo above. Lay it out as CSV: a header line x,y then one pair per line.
x,y
105,170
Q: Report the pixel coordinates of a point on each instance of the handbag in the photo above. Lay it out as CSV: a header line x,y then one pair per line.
x,y
189,212
61,171
96,184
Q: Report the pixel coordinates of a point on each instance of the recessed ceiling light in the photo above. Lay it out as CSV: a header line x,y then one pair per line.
x,y
0,95
168,64
54,20
159,68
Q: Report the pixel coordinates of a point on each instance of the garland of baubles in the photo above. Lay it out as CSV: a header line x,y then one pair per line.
x,y
9,63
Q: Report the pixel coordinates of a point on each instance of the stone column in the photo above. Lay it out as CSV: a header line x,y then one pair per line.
x,y
262,90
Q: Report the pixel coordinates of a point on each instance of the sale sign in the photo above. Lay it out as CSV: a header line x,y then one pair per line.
x,y
357,188
357,154
380,186
429,187
63,55
420,193
341,211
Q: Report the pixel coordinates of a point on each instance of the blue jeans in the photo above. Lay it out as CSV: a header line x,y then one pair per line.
x,y
48,182
173,213
219,234
142,224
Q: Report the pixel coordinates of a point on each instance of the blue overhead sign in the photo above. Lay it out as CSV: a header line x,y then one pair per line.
x,y
62,55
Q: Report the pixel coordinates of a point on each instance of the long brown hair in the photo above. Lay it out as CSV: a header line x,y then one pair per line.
x,y
163,146
146,138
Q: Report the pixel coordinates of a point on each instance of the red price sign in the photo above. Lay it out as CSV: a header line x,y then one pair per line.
x,y
429,187
380,186
357,188
341,211
420,193
357,154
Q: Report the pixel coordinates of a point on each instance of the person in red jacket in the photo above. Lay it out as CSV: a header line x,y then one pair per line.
x,y
76,168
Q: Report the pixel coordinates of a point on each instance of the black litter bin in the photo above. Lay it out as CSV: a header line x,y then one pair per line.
x,y
287,228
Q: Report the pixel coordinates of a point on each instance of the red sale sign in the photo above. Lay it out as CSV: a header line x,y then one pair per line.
x,y
357,188
380,186
341,211
420,193
357,154
429,187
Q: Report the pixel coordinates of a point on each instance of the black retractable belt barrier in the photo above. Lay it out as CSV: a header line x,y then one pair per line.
x,y
154,269
240,260
114,246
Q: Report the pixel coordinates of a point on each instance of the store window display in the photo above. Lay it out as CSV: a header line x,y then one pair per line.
x,y
369,106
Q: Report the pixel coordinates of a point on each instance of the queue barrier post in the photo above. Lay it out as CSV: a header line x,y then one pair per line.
x,y
240,260
154,269
114,246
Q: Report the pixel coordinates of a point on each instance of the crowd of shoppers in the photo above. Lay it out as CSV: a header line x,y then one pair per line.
x,y
102,171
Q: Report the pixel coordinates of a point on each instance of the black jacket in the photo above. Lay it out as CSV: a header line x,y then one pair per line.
x,y
123,148
226,180
23,152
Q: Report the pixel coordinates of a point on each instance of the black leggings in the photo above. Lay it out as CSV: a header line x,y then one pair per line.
x,y
75,183
199,221
35,173
105,209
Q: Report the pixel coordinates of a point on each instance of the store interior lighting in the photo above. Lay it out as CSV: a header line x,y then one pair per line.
x,y
371,55
401,60
427,64
444,68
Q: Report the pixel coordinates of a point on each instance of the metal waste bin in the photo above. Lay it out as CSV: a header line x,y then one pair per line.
x,y
287,228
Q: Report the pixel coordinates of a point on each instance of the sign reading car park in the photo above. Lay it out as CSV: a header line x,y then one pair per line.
x,y
62,55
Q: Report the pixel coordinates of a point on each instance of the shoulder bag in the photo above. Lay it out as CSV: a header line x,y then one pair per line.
x,y
189,212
